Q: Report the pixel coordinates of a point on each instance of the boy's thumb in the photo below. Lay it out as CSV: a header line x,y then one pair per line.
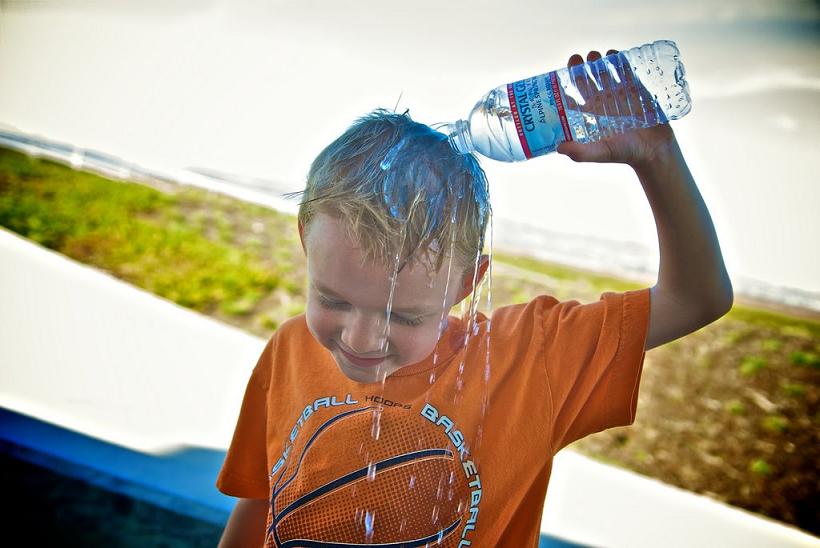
x,y
570,149
585,152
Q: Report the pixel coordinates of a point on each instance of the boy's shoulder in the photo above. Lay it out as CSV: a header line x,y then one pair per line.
x,y
534,308
289,335
547,314
293,327
548,304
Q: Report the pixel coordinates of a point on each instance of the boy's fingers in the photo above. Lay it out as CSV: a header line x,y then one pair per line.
x,y
572,94
580,79
600,80
631,99
619,69
575,59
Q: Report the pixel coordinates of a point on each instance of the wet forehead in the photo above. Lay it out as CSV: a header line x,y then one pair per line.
x,y
336,268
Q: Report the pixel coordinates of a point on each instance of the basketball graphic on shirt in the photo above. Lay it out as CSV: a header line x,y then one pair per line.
x,y
369,475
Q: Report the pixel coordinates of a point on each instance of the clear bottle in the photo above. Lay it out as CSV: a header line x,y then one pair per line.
x,y
638,88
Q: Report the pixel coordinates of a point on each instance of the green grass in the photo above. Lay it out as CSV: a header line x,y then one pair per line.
x,y
775,423
735,407
805,359
751,365
564,273
135,232
794,389
771,345
786,325
760,467
736,336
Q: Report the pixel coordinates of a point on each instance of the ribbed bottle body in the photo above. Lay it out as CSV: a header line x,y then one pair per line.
x,y
638,88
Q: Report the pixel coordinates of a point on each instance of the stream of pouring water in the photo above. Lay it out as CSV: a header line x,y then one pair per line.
x,y
377,414
396,198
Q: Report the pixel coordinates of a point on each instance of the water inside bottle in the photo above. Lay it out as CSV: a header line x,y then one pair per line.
x,y
604,97
639,88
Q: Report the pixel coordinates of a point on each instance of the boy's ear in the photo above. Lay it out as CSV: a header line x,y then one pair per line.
x,y
467,285
302,236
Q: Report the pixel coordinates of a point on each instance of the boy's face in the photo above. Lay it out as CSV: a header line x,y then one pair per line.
x,y
347,304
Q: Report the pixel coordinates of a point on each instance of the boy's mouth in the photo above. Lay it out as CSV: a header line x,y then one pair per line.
x,y
361,362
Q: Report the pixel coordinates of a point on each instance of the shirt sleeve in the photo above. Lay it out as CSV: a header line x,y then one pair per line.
x,y
245,470
594,358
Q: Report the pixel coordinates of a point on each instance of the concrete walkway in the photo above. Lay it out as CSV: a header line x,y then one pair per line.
x,y
88,353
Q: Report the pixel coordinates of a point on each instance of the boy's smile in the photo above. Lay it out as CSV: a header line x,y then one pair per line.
x,y
347,304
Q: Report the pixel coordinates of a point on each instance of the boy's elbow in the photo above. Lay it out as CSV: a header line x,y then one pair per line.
x,y
717,306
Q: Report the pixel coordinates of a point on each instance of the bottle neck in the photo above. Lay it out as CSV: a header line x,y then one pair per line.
x,y
459,134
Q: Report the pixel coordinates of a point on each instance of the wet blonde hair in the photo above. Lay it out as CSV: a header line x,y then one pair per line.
x,y
400,188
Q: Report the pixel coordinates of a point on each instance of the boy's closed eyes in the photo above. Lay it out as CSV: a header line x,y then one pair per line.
x,y
341,305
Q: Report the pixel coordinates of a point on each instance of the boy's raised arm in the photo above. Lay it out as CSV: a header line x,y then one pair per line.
x,y
693,287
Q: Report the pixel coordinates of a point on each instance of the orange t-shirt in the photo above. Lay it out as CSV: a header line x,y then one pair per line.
x,y
453,452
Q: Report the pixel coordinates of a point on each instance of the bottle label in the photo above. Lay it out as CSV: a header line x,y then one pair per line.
x,y
537,106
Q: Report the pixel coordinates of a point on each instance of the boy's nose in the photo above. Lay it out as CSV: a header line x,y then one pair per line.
x,y
365,335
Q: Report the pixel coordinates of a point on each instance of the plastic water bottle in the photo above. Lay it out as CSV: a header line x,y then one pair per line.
x,y
638,88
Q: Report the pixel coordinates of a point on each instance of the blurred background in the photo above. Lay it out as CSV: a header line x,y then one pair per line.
x,y
215,109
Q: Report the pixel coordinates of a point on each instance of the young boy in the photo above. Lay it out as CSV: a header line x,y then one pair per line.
x,y
426,428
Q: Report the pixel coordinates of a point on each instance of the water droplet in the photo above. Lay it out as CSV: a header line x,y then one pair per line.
x,y
371,471
387,162
412,482
389,308
377,423
369,522
488,325
432,377
478,437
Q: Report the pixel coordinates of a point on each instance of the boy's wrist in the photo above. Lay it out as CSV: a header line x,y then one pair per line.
x,y
660,150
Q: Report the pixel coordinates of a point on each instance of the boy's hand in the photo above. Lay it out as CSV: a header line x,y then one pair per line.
x,y
636,147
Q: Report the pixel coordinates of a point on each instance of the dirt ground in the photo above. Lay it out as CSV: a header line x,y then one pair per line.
x,y
750,440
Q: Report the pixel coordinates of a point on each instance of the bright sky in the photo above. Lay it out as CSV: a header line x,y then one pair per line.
x,y
258,88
